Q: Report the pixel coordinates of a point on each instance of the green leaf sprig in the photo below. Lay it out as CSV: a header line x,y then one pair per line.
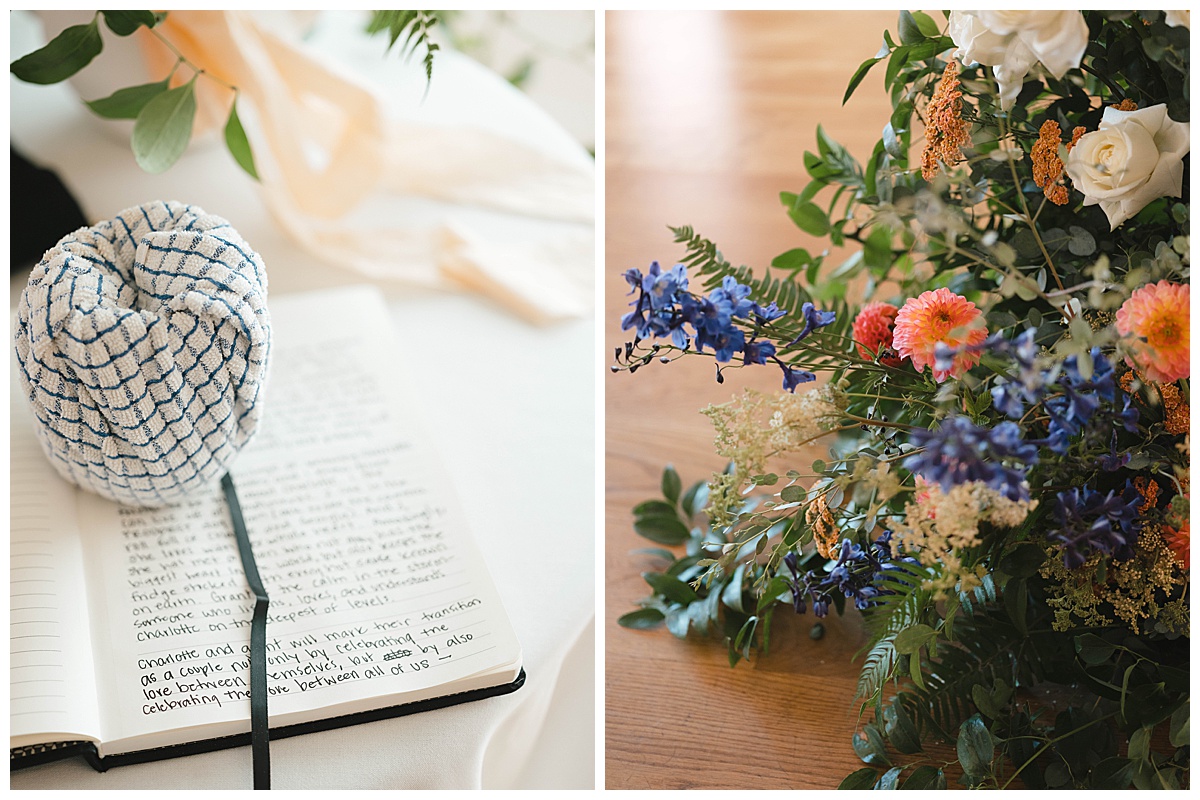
x,y
163,116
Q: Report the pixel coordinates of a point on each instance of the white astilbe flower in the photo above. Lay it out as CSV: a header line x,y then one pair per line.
x,y
754,427
877,476
937,525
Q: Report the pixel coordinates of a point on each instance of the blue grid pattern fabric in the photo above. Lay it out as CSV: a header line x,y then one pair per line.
x,y
143,345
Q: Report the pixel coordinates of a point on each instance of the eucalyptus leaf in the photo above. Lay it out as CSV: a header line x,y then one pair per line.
x,y
794,259
859,779
1016,602
654,508
671,485
1082,243
655,551
910,31
678,621
913,638
861,73
914,670
975,748
642,619
732,595
889,779
1180,722
1023,560
1111,773
925,777
792,494
164,128
685,568
891,142
1092,649
695,498
1139,744
926,24
670,587
745,637
984,702
238,144
127,103
661,529
123,23
810,218
66,54
1057,774
901,730
698,616
777,590
870,746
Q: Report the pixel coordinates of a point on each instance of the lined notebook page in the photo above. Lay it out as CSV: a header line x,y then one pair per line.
x,y
51,684
376,587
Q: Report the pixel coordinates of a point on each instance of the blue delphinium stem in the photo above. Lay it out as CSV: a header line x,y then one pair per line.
x,y
664,306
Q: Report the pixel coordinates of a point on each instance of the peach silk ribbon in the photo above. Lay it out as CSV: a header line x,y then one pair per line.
x,y
346,205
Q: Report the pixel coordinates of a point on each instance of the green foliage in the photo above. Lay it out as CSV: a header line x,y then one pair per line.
x,y
66,54
164,128
127,103
691,593
123,23
164,116
414,26
76,46
239,146
976,749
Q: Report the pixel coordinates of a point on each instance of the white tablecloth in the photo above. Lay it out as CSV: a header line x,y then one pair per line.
x,y
513,408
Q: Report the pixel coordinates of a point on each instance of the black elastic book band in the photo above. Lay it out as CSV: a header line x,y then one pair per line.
x,y
260,733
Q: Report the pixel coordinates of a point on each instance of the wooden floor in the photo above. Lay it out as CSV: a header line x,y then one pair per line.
x,y
708,116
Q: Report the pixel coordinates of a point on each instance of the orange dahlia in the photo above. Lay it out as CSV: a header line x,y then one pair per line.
x,y
1155,320
1179,542
938,317
873,332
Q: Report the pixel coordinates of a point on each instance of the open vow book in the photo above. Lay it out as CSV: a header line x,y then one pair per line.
x,y
130,628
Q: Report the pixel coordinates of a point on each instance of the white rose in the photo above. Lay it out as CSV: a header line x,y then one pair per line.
x,y
1135,157
1176,18
1011,42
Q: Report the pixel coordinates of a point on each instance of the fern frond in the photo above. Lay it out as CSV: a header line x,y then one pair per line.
x,y
703,257
418,25
988,646
877,668
906,602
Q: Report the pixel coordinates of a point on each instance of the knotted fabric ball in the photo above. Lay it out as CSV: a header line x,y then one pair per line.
x,y
142,345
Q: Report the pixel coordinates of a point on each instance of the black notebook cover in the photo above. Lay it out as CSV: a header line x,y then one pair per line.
x,y
34,755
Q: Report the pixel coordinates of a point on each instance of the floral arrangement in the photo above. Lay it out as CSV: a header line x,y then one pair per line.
x,y
1004,410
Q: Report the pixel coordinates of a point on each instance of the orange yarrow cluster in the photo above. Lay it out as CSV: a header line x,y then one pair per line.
x,y
1047,166
824,528
1176,413
945,133
1148,488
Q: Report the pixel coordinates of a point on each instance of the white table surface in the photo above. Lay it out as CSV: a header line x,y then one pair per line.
x,y
512,407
